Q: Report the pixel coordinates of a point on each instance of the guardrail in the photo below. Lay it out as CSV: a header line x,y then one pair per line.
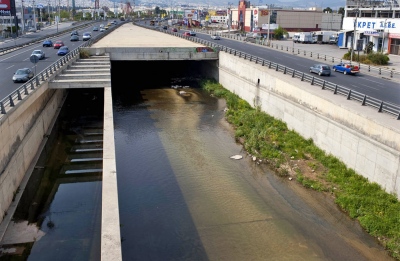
x,y
365,100
6,50
30,86
318,56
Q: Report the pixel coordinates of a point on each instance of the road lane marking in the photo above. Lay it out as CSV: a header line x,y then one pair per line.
x,y
9,67
372,81
358,87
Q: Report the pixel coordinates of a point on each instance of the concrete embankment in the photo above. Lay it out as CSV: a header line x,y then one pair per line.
x,y
24,131
365,140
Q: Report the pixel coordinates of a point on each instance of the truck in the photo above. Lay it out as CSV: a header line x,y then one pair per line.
x,y
303,37
323,37
333,39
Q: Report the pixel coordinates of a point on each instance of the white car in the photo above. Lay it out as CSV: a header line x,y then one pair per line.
x,y
39,53
102,29
215,37
86,36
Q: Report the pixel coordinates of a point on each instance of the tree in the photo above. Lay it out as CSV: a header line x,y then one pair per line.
x,y
327,10
157,10
279,33
341,11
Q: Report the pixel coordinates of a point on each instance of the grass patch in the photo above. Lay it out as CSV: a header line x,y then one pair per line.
x,y
268,138
84,54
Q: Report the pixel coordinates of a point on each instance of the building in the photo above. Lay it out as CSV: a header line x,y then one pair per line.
x,y
253,18
372,21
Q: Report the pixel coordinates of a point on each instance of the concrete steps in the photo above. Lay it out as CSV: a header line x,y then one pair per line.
x,y
93,72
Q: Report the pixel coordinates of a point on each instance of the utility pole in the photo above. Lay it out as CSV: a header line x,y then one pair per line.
x,y
22,16
354,35
34,14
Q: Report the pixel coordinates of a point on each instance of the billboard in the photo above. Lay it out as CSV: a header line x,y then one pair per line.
x,y
191,14
5,7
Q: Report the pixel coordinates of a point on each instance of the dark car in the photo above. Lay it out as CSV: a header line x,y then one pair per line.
x,y
173,29
22,75
63,51
47,43
74,38
321,69
58,44
95,28
165,27
74,33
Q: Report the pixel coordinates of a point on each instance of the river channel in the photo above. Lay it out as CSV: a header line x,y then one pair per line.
x,y
182,197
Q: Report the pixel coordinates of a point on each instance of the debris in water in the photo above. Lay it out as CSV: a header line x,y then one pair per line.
x,y
237,157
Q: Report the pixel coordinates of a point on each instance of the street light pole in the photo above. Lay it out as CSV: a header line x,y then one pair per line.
x,y
269,22
354,36
383,38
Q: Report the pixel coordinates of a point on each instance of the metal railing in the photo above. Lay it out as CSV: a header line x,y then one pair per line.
x,y
30,86
310,54
6,50
365,100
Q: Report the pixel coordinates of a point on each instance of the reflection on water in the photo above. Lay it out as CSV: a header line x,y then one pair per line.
x,y
59,214
182,198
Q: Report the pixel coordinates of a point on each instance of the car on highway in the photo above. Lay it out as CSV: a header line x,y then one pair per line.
x,y
86,36
22,75
58,44
173,29
192,33
102,29
63,51
346,68
186,34
321,69
215,37
32,30
165,27
74,38
106,27
39,54
47,43
74,33
95,28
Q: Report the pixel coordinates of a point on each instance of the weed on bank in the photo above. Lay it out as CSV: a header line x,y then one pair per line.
x,y
377,211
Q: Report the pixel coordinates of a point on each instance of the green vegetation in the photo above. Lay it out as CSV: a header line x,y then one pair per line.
x,y
370,58
284,149
279,33
83,54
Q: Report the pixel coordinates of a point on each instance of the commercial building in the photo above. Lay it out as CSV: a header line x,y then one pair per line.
x,y
377,22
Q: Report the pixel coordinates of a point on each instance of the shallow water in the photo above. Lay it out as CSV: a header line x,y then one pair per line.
x,y
182,198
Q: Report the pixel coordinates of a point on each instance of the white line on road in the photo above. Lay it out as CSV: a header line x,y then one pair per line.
x,y
9,67
372,81
360,87
26,59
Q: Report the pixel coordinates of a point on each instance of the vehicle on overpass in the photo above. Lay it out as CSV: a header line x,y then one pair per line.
x,y
47,43
58,44
63,51
215,37
321,69
22,75
39,54
346,68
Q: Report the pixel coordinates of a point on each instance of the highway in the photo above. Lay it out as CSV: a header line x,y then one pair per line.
x,y
379,88
9,63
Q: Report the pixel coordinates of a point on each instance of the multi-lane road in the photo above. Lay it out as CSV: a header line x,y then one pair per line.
x,y
382,89
379,88
12,61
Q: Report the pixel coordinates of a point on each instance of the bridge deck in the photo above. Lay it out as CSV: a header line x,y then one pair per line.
x,y
129,35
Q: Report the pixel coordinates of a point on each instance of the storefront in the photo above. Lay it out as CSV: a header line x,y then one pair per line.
x,y
394,43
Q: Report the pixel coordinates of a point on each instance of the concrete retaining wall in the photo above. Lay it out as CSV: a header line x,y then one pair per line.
x,y
22,130
365,140
152,53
